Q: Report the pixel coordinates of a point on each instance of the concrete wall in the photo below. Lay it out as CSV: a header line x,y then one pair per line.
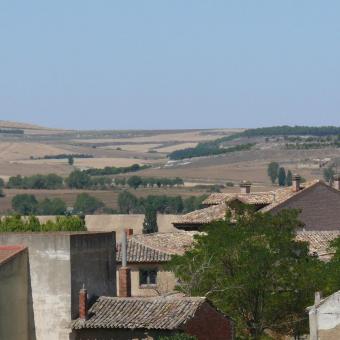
x,y
118,223
58,264
166,280
324,320
14,298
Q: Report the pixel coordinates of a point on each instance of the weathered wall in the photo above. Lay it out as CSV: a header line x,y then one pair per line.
x,y
58,264
320,207
166,280
118,223
92,264
208,324
14,298
324,321
50,282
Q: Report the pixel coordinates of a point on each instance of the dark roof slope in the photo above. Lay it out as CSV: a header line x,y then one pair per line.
x,y
161,312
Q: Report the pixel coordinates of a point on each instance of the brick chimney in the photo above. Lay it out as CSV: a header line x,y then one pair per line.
x,y
336,181
83,305
124,271
296,180
245,187
129,232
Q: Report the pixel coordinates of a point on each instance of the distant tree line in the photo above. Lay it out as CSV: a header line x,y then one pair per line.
x,y
130,204
112,170
82,180
308,146
279,174
12,131
137,181
16,223
286,130
64,156
208,149
27,204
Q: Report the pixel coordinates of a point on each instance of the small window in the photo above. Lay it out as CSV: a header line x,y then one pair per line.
x,y
147,277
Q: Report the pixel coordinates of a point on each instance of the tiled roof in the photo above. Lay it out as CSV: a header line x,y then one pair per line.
x,y
203,216
156,247
8,252
319,242
251,198
217,209
161,312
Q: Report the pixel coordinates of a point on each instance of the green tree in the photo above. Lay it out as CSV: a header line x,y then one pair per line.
x,y
134,182
289,178
282,177
25,204
78,180
87,204
150,221
272,171
53,206
70,160
253,270
2,183
127,202
328,173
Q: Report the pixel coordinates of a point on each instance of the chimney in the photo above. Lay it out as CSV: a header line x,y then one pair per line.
x,y
129,232
124,271
317,298
296,180
336,181
83,306
245,187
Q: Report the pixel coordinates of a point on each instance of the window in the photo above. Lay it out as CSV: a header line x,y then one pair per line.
x,y
147,277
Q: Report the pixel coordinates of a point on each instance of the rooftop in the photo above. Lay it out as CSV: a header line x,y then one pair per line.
x,y
161,312
156,247
218,203
9,252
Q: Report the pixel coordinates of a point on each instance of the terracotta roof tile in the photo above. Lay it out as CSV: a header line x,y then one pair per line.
x,y
156,247
161,312
252,198
319,242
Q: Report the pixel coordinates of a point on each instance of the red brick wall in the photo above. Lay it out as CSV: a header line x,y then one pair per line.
x,y
209,324
124,282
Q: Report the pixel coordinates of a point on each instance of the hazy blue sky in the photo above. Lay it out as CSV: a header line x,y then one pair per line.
x,y
170,64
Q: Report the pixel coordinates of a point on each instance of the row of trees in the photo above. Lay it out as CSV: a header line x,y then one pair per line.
x,y
253,270
64,156
112,170
137,181
279,174
26,204
130,204
207,149
16,223
82,180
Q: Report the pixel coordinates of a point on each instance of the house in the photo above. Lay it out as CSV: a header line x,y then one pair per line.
x,y
51,272
151,317
319,204
14,292
324,317
147,255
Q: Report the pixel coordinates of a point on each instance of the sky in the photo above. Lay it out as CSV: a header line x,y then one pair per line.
x,y
169,64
